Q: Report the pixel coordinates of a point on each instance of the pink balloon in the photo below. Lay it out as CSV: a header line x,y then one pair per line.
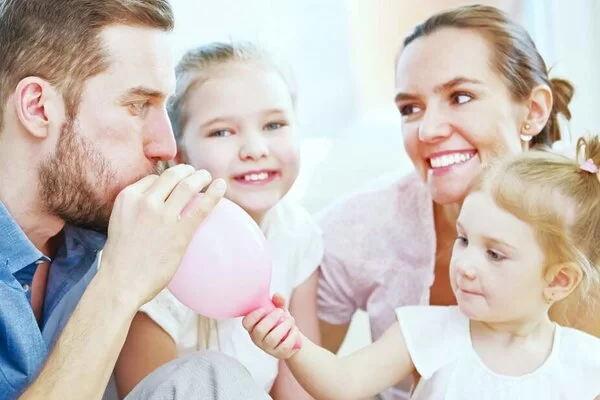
x,y
226,270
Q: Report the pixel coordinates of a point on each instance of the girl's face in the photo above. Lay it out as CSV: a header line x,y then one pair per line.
x,y
457,113
497,264
241,128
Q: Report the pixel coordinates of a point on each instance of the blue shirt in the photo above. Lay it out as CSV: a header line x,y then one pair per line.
x,y
24,346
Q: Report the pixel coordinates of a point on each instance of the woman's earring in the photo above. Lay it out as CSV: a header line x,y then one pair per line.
x,y
525,137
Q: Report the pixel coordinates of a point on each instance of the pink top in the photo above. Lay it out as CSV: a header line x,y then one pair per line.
x,y
379,255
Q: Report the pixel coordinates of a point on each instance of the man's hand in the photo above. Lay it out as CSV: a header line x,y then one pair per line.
x,y
148,235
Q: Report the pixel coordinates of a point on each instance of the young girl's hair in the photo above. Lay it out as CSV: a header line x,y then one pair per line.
x,y
200,64
196,67
561,201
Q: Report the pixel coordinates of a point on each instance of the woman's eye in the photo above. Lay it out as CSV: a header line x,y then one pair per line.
x,y
461,98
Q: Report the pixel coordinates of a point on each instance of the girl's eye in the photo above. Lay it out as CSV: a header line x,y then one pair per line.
x,y
273,126
495,256
409,109
462,241
220,133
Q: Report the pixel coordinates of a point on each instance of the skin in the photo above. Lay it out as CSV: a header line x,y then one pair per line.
x,y
501,284
117,137
465,108
232,137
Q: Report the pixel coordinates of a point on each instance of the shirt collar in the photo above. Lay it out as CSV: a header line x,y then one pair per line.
x,y
18,252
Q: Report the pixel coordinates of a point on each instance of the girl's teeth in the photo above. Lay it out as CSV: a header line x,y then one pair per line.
x,y
450,159
256,177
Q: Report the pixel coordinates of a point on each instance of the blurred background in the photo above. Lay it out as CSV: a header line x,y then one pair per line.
x,y
342,55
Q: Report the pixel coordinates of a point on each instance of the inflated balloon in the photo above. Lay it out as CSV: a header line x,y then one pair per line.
x,y
226,270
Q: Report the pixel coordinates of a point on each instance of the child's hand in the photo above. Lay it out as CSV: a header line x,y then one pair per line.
x,y
274,332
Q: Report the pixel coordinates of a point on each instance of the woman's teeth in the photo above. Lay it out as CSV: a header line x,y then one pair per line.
x,y
450,159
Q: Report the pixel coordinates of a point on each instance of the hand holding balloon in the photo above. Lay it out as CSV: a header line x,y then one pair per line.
x,y
226,270
274,331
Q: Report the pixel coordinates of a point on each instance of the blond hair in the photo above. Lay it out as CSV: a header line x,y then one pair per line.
x,y
561,201
59,40
195,68
514,57
200,64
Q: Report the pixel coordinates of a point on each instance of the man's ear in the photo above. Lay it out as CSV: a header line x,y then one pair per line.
x,y
36,105
562,280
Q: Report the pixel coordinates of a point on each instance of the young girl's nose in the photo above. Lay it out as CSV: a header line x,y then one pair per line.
x,y
254,147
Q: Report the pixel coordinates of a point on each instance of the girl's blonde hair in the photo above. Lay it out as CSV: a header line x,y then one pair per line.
x,y
195,68
201,63
561,201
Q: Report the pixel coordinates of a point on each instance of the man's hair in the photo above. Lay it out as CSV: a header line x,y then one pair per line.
x,y
59,40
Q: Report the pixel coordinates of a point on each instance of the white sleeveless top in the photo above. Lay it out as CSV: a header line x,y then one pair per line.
x,y
439,342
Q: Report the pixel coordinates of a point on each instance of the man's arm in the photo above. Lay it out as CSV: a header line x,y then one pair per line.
x,y
147,228
84,355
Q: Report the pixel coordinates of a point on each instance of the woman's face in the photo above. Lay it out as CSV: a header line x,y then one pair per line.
x,y
457,113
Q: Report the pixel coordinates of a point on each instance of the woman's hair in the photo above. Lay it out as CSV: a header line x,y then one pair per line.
x,y
196,67
560,200
200,64
514,57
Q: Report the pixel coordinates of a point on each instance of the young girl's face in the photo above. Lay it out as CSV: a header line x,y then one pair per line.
x,y
241,128
496,269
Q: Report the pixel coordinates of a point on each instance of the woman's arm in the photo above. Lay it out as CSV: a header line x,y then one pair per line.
x,y
147,348
303,307
362,374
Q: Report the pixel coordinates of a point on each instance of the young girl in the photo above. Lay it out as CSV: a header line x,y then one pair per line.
x,y
233,115
528,237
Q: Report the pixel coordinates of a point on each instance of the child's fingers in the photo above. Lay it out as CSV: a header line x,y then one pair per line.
x,y
250,320
288,347
276,336
266,325
278,300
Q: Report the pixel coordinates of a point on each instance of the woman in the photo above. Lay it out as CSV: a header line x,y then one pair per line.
x,y
471,86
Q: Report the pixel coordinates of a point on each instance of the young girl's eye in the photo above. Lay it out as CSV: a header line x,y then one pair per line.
x,y
272,126
220,133
409,109
495,256
462,241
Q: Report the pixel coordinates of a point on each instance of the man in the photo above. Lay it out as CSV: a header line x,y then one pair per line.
x,y
83,126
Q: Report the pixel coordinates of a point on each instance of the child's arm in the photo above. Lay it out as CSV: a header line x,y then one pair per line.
x,y
362,374
135,361
303,307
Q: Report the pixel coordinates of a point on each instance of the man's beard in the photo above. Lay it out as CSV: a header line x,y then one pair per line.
x,y
75,183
